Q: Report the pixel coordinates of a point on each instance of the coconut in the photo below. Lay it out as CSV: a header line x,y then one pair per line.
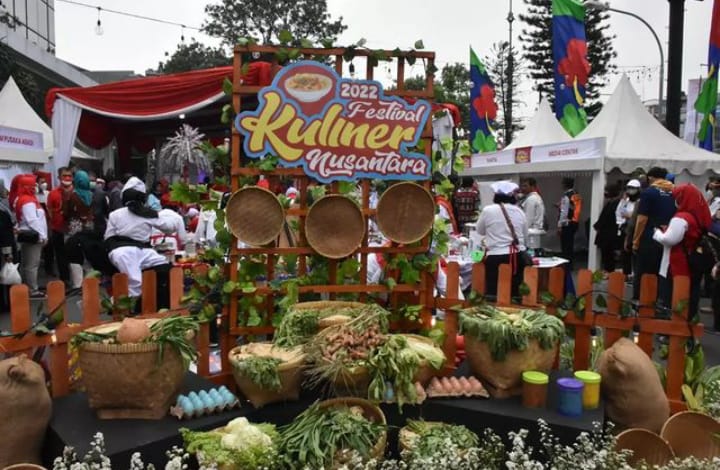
x,y
133,331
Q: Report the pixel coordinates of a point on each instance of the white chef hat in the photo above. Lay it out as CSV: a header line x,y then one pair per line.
x,y
135,183
633,184
291,192
192,212
504,187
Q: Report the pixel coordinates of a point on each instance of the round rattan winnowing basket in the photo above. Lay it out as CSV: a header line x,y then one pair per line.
x,y
255,215
130,381
371,412
692,434
335,226
646,446
405,212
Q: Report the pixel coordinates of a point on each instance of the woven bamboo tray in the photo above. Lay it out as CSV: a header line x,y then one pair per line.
x,y
370,412
335,226
405,212
646,446
692,434
290,373
330,320
255,215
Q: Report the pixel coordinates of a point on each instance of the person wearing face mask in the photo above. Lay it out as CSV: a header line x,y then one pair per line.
x,y
101,205
58,227
32,232
624,219
78,213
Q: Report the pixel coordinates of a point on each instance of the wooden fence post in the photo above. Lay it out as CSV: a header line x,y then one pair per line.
x,y
149,292
20,315
59,357
119,289
582,328
676,347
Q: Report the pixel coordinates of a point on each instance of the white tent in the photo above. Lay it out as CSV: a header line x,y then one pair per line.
x,y
18,118
542,129
636,139
621,138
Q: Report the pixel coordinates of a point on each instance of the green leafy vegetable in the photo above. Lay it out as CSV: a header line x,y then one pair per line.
x,y
262,371
433,438
504,332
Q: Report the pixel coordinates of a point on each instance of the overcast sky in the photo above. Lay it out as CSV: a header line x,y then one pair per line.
x,y
447,27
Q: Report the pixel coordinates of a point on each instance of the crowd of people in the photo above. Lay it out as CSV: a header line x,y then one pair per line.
x,y
648,225
85,223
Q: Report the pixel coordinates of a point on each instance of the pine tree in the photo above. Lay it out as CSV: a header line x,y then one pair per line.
x,y
497,66
537,46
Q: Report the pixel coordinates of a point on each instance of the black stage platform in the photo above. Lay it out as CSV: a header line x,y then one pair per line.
x,y
74,424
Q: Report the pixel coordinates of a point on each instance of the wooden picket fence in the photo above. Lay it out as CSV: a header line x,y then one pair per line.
x,y
610,319
56,343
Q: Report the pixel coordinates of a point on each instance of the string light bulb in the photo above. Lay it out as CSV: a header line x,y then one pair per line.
x,y
99,27
182,33
352,70
593,336
636,333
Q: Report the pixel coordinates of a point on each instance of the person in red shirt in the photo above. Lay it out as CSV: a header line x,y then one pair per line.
x,y
55,201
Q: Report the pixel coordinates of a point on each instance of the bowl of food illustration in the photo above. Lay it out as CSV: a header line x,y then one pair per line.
x,y
308,87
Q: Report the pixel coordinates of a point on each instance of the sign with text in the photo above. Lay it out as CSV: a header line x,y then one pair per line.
x,y
20,139
336,128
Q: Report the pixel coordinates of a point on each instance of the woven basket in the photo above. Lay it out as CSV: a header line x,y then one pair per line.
x,y
290,373
335,226
128,380
646,446
405,212
321,305
24,466
370,412
692,434
425,372
255,216
504,378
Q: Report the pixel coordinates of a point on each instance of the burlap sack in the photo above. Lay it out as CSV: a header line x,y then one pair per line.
x,y
634,396
25,409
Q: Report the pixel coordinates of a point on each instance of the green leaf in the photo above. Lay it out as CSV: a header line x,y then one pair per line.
x,y
419,44
361,42
546,298
390,283
285,36
562,313
254,319
245,69
410,60
690,399
227,87
327,43
600,301
281,55
229,286
293,54
431,69
680,306
626,310
346,187
243,42
597,276
523,289
306,43
226,115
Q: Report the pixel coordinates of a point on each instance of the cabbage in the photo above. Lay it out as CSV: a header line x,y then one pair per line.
x,y
429,352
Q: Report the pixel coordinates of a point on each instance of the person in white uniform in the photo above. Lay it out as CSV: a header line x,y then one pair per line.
x,y
128,235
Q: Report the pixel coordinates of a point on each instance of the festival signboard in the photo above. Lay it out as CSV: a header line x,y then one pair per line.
x,y
336,128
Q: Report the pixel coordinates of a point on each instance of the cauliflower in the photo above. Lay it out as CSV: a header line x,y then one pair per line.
x,y
243,436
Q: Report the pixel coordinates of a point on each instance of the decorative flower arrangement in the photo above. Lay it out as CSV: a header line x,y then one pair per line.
x,y
590,451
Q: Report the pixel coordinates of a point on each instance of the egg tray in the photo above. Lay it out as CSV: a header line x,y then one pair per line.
x,y
456,387
204,402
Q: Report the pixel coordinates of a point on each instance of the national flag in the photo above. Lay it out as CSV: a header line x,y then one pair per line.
x,y
483,109
572,68
707,99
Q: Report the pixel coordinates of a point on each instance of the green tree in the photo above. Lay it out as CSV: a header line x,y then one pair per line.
x,y
497,65
193,56
31,85
453,87
265,19
536,37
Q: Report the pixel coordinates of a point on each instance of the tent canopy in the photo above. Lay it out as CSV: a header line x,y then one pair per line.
x,y
16,113
636,139
542,129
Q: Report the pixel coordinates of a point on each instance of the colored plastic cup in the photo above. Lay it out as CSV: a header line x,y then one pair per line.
x,y
535,387
591,392
570,397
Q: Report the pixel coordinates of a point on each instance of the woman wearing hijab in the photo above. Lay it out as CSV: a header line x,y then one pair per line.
x,y
32,231
77,209
505,229
128,235
681,239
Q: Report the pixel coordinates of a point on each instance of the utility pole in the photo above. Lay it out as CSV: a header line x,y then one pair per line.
x,y
675,53
510,74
